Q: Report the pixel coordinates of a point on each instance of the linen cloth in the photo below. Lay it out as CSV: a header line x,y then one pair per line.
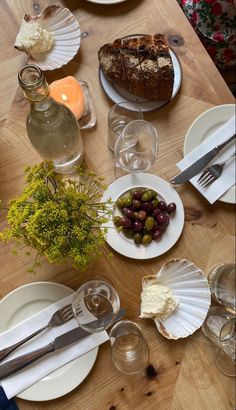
x,y
227,178
19,381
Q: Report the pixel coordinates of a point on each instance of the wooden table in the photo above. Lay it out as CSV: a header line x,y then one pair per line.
x,y
186,377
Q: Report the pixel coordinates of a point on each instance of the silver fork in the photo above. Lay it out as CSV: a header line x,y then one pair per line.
x,y
213,172
61,316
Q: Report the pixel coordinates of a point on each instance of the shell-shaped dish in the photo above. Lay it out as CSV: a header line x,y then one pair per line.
x,y
190,286
59,21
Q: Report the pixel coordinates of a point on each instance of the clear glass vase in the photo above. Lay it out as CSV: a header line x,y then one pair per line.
x,y
52,128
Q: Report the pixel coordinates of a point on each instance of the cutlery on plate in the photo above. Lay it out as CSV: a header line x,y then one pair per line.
x,y
14,365
213,172
198,165
61,316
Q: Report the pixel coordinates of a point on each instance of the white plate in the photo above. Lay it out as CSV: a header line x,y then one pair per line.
x,y
126,246
204,125
26,301
118,94
106,1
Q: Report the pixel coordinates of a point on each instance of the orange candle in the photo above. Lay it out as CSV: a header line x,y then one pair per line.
x,y
68,91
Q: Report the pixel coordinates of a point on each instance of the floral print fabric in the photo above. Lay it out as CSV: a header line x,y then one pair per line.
x,y
214,21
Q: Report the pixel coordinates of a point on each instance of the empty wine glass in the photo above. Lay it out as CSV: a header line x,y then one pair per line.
x,y
98,305
220,327
130,352
137,146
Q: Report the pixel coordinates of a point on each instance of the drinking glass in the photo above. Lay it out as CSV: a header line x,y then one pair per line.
x,y
137,146
220,327
118,117
130,352
222,281
95,299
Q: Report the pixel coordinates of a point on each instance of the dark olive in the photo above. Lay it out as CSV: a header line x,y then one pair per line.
x,y
162,219
171,208
162,206
156,212
137,194
137,226
128,212
136,203
142,215
125,222
157,234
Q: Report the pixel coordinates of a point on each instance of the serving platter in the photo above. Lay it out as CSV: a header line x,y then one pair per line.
x,y
166,192
118,94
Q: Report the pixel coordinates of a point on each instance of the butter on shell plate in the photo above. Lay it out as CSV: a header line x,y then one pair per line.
x,y
157,301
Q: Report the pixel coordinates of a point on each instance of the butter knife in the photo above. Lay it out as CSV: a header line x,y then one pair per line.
x,y
14,365
198,165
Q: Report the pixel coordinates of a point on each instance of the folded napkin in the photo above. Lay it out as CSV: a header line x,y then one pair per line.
x,y
227,178
6,404
19,381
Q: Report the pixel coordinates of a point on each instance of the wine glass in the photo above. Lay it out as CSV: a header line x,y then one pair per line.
x,y
220,327
130,352
95,305
137,146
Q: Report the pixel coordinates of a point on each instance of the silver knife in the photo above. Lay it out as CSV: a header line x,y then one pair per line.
x,y
14,365
198,165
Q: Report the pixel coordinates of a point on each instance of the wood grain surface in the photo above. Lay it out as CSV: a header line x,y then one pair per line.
x,y
185,376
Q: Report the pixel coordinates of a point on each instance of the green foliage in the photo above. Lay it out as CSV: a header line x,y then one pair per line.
x,y
61,218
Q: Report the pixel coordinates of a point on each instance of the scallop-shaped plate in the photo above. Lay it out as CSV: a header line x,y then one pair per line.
x,y
190,286
67,35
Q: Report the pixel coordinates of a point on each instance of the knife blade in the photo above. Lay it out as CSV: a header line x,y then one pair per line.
x,y
201,163
66,339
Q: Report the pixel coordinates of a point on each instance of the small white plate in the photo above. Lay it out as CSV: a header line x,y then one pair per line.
x,y
26,301
164,190
118,94
203,126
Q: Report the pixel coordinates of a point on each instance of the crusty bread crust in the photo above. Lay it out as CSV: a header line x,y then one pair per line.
x,y
141,65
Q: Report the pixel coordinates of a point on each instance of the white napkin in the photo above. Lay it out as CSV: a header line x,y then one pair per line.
x,y
227,179
19,381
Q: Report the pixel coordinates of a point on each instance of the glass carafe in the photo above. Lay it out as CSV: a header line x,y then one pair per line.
x,y
52,128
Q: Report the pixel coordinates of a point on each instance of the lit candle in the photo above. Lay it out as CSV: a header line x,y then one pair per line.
x,y
68,91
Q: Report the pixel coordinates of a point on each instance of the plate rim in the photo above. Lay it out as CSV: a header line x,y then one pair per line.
x,y
103,80
51,393
105,2
229,196
126,184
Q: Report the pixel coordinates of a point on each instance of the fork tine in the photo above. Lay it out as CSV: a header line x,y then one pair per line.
x,y
203,175
208,181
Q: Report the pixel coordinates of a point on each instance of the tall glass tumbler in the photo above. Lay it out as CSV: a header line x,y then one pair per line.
x,y
220,327
130,352
118,117
222,281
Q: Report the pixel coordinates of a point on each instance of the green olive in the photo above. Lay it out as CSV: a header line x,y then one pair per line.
x,y
129,233
155,203
137,238
128,199
117,221
154,193
149,223
147,196
120,202
147,238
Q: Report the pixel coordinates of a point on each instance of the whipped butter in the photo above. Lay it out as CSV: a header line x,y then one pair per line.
x,y
157,301
34,38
